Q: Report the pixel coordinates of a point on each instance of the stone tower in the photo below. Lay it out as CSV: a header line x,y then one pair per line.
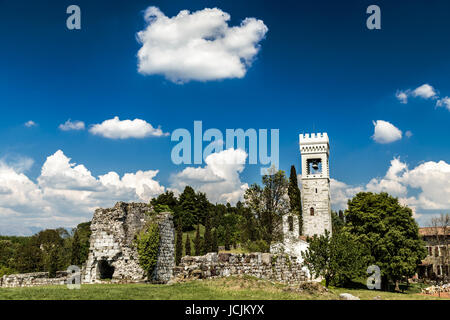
x,y
314,151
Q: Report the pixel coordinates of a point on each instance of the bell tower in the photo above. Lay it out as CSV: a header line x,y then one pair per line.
x,y
315,151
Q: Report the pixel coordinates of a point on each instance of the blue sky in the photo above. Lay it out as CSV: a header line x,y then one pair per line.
x,y
318,68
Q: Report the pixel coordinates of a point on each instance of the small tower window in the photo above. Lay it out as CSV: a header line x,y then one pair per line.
x,y
291,223
311,211
316,190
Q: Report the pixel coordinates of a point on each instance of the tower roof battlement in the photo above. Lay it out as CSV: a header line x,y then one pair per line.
x,y
314,138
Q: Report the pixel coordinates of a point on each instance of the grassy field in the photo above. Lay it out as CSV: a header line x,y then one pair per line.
x,y
231,288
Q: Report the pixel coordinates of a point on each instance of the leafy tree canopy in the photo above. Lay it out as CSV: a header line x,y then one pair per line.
x,y
388,230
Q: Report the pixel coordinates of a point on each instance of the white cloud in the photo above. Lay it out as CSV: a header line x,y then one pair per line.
x,y
30,123
124,129
141,182
219,179
424,91
18,163
341,192
444,102
66,193
425,188
402,96
390,183
71,125
385,132
433,180
197,46
408,134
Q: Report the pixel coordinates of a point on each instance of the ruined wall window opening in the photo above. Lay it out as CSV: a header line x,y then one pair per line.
x,y
105,270
291,223
311,211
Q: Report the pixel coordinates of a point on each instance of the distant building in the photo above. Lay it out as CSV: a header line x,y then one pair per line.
x,y
435,265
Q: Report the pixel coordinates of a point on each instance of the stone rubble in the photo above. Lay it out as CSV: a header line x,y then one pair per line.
x,y
437,289
32,279
280,268
348,296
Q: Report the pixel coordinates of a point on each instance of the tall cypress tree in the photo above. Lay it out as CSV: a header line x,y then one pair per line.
x,y
207,243
295,201
188,246
197,242
76,250
215,241
227,239
186,211
179,245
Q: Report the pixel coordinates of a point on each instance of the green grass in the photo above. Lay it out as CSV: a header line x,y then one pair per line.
x,y
230,288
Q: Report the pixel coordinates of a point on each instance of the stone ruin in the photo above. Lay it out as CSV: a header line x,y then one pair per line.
x,y
292,244
33,279
113,254
275,267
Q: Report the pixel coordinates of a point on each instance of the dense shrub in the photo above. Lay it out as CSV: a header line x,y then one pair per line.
x,y
147,248
257,246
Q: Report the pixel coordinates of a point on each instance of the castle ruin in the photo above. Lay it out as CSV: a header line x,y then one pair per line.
x,y
112,252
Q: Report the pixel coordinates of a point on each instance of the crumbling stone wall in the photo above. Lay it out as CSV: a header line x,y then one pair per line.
x,y
112,252
166,255
32,279
281,268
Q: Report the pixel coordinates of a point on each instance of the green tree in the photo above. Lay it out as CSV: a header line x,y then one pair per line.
x,y
207,243
29,257
179,245
197,242
247,224
162,208
389,232
51,244
227,240
75,258
203,207
186,212
147,247
269,204
337,223
51,261
338,259
83,231
165,199
295,202
188,246
215,241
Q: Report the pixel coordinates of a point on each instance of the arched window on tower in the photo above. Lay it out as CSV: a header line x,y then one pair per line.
x,y
311,211
291,223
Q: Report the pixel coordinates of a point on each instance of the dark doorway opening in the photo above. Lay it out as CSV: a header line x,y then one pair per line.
x,y
105,270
